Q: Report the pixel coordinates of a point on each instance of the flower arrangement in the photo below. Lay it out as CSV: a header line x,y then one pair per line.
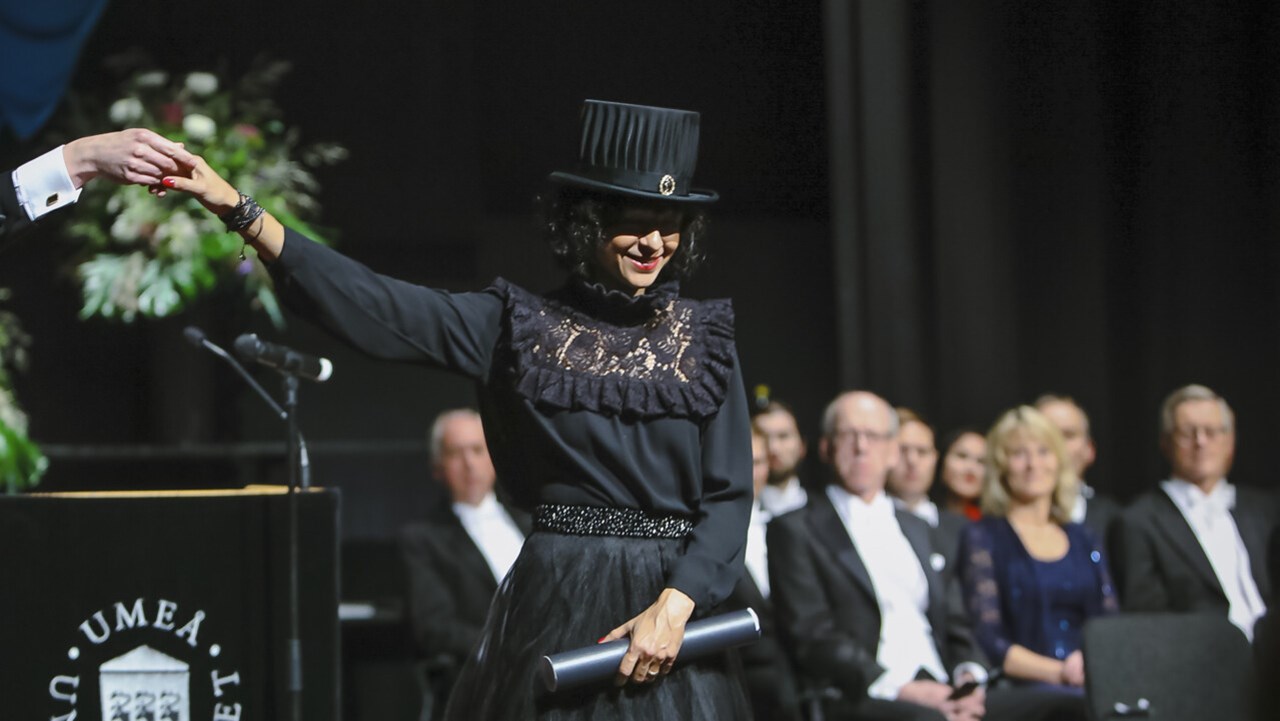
x,y
148,257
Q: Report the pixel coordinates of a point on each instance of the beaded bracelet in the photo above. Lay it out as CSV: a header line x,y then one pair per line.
x,y
243,215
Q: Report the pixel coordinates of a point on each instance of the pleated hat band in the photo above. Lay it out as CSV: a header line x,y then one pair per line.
x,y
639,151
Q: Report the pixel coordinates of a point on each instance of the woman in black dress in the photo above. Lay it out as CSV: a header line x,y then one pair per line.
x,y
613,407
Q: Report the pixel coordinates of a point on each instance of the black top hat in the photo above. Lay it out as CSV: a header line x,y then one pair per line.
x,y
637,151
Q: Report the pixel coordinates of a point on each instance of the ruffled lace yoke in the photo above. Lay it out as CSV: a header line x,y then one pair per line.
x,y
584,347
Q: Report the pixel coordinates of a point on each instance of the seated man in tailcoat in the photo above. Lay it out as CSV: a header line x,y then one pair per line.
x,y
456,559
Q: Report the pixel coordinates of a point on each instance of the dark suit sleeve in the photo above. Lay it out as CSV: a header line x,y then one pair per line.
x,y
385,317
12,218
433,614
1142,587
806,615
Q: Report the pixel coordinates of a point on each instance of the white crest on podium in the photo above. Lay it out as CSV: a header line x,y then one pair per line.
x,y
145,684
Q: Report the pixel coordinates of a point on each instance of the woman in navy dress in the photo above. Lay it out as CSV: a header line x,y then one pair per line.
x,y
614,410
1031,577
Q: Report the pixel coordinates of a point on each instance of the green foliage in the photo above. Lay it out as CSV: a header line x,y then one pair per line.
x,y
21,462
149,257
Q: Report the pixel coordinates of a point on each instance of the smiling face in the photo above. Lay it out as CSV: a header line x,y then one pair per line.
x,y
962,467
1031,472
639,242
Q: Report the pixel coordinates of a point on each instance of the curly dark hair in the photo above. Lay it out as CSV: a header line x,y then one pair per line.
x,y
574,222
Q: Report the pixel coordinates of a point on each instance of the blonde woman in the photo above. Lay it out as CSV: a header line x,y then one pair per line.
x,y
1032,577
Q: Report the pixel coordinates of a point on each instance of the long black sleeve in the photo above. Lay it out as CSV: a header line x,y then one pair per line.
x,y
712,562
385,317
13,219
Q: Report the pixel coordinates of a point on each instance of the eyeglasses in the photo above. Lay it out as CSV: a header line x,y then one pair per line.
x,y
847,435
1187,436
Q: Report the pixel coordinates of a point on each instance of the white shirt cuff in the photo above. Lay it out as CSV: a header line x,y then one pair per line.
x,y
43,185
974,669
889,685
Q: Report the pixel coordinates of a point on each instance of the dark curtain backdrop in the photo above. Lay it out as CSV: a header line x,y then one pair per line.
x,y
1068,197
959,205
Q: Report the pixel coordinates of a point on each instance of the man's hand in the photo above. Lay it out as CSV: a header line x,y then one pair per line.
x,y
967,708
128,156
937,696
929,694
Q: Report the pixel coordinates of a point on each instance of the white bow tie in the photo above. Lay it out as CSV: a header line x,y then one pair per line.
x,y
1222,500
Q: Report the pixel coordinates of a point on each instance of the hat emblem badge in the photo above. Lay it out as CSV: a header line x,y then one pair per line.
x,y
667,185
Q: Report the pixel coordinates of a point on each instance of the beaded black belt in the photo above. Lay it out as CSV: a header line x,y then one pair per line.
x,y
608,521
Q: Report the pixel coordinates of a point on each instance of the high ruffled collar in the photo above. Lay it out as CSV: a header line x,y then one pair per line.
x,y
594,298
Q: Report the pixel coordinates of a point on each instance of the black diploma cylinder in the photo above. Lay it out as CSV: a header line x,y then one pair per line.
x,y
598,663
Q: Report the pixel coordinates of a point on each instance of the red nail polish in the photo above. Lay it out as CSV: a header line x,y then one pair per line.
x,y
168,182
602,638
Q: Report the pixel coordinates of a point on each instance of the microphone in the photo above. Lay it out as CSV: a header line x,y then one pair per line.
x,y
594,664
284,359
197,338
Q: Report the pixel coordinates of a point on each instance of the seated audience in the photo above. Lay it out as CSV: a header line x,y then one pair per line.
x,y
1198,543
769,682
858,599
911,479
786,449
963,454
456,559
1095,510
1031,576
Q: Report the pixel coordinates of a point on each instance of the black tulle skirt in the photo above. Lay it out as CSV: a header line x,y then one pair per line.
x,y
565,592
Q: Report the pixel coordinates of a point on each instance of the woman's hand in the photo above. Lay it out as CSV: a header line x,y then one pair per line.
x,y
217,195
1073,669
656,635
206,186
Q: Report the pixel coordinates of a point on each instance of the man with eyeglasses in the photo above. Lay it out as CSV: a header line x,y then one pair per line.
x,y
859,596
1197,543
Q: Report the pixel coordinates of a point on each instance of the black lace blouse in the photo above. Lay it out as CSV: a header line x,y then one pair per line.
x,y
589,397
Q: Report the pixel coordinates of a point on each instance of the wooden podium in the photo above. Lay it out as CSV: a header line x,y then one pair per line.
x,y
165,606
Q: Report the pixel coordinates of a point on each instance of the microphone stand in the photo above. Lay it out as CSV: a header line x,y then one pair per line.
x,y
296,451
299,476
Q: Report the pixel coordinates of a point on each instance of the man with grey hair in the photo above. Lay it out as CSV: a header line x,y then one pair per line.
x,y
456,558
1198,543
860,597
